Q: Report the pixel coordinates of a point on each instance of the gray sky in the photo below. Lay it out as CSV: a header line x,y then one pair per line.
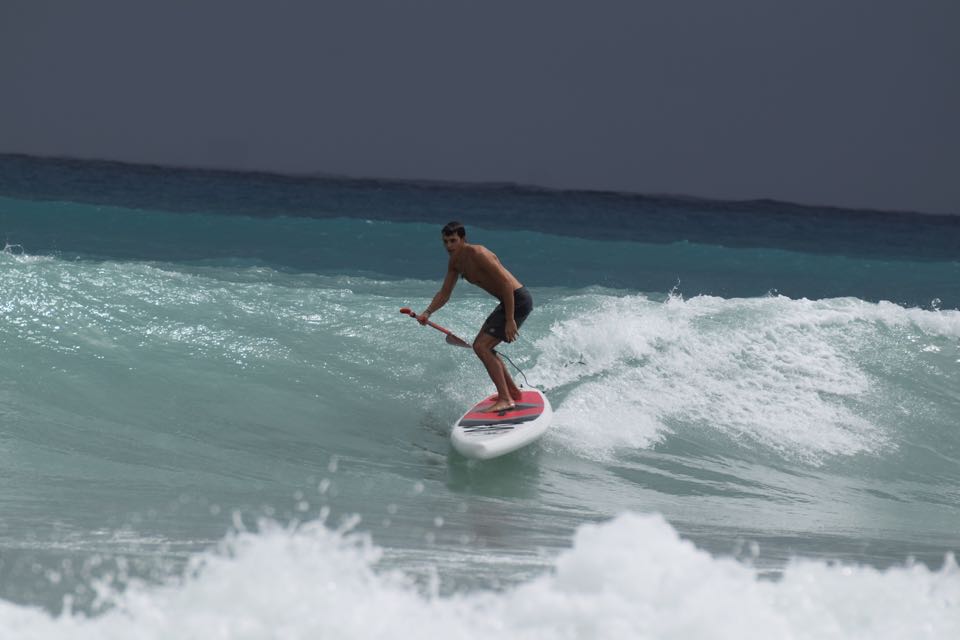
x,y
841,102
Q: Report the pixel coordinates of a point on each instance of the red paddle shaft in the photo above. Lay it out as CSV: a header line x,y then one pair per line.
x,y
451,337
413,314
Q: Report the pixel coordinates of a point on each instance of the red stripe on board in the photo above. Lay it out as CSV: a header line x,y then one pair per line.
x,y
528,397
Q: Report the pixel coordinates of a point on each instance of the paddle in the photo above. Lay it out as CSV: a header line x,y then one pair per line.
x,y
451,338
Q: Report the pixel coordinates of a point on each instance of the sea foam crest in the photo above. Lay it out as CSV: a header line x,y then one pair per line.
x,y
632,577
792,375
16,253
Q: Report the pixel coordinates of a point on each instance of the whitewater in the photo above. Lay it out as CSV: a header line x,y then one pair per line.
x,y
216,423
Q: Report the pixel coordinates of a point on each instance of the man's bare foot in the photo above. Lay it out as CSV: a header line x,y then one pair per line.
x,y
500,405
517,395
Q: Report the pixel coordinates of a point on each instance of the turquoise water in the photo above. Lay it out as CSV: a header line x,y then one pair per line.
x,y
213,416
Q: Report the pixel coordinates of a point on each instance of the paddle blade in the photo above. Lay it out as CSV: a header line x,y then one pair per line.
x,y
454,340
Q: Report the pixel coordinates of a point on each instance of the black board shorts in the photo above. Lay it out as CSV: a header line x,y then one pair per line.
x,y
496,323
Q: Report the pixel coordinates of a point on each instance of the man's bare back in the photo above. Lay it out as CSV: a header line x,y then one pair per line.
x,y
481,267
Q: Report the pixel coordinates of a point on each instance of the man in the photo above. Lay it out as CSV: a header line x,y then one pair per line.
x,y
480,266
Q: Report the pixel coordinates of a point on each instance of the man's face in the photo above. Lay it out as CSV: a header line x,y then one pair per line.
x,y
452,243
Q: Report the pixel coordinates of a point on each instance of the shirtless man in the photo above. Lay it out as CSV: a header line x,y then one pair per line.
x,y
480,266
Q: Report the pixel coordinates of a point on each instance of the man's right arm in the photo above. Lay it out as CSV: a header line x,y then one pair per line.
x,y
442,296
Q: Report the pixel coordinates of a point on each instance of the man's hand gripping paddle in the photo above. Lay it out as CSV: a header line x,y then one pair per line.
x,y
451,338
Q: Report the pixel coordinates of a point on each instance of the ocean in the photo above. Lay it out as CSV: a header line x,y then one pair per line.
x,y
215,423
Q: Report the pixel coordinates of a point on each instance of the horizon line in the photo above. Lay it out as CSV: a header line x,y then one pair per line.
x,y
491,185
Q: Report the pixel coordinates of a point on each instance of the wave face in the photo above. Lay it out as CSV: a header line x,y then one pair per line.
x,y
171,377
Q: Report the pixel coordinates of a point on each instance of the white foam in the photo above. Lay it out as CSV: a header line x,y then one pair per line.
x,y
629,578
788,374
15,253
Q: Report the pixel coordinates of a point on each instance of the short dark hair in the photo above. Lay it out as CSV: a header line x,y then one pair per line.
x,y
454,228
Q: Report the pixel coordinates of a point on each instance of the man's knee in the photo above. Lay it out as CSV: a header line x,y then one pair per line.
x,y
483,346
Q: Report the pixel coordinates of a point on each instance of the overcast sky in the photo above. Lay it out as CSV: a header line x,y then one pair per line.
x,y
840,102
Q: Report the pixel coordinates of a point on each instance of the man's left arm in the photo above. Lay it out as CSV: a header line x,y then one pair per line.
x,y
510,330
503,285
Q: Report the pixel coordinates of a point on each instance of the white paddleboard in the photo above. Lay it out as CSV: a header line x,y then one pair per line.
x,y
483,435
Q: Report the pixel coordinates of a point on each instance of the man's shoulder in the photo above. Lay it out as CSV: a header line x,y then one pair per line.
x,y
478,250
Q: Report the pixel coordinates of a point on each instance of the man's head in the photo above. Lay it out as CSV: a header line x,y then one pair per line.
x,y
454,228
453,235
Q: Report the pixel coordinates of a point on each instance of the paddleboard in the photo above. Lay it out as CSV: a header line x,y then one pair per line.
x,y
483,435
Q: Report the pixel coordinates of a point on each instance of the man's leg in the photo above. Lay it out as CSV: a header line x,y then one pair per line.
x,y
483,346
515,392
